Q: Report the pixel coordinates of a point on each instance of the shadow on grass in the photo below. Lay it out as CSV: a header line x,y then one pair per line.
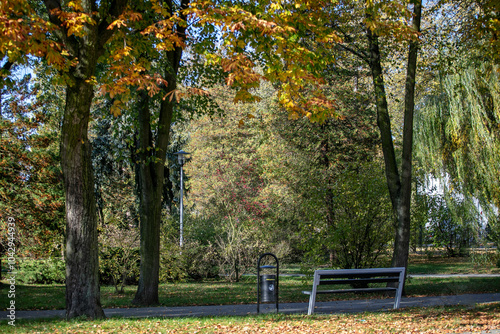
x,y
35,297
52,297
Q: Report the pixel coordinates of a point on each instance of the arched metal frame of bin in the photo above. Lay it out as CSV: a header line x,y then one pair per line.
x,y
276,291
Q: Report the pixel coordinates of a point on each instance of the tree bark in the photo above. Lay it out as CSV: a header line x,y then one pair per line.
x,y
82,264
151,171
384,120
82,261
150,182
151,176
403,228
399,187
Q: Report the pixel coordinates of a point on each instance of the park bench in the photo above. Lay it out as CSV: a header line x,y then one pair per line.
x,y
358,280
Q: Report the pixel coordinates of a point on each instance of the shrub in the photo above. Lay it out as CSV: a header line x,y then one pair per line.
x,y
119,266
171,264
119,255
194,261
484,258
361,227
42,271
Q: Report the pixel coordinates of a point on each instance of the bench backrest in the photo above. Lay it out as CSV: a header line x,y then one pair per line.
x,y
350,276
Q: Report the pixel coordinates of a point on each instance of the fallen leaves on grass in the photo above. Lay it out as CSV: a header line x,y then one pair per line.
x,y
417,320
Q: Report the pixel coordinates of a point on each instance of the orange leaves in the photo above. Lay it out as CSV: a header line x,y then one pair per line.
x,y
241,71
124,19
21,31
272,33
119,89
74,21
163,31
121,53
242,75
178,94
24,33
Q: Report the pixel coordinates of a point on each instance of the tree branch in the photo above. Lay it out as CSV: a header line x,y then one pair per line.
x,y
116,9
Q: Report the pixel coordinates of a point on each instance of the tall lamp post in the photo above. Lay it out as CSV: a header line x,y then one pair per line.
x,y
181,155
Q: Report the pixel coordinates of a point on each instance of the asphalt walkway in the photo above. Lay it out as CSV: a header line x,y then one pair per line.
x,y
345,306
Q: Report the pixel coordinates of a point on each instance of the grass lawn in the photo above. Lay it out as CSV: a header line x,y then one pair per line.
x,y
38,297
420,320
417,320
421,264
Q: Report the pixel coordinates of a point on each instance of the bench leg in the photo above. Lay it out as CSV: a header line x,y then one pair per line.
x,y
399,291
312,301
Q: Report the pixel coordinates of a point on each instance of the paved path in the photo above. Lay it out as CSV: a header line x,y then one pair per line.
x,y
240,310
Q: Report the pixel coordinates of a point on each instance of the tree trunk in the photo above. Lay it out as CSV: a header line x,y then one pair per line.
x,y
82,262
399,188
403,229
384,121
150,190
329,198
151,171
151,178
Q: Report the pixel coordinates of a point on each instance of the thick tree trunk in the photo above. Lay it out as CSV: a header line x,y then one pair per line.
x,y
151,171
151,179
402,242
151,176
82,264
82,261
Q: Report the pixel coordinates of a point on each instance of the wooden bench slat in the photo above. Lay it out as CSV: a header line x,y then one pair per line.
x,y
386,289
363,275
358,290
358,280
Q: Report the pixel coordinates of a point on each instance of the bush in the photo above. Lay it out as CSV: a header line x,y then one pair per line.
x,y
194,261
361,228
42,271
172,264
119,256
119,266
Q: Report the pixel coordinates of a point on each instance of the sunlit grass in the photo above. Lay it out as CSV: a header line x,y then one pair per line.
x,y
421,264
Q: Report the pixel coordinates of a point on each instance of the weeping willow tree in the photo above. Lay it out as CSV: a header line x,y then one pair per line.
x,y
458,135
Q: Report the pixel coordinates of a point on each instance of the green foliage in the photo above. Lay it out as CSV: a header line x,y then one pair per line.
x,y
451,225
172,264
118,266
42,271
484,258
192,261
229,189
119,256
457,139
31,191
361,232
197,259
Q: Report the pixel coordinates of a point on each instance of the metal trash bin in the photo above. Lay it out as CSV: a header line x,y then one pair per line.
x,y
268,284
268,288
